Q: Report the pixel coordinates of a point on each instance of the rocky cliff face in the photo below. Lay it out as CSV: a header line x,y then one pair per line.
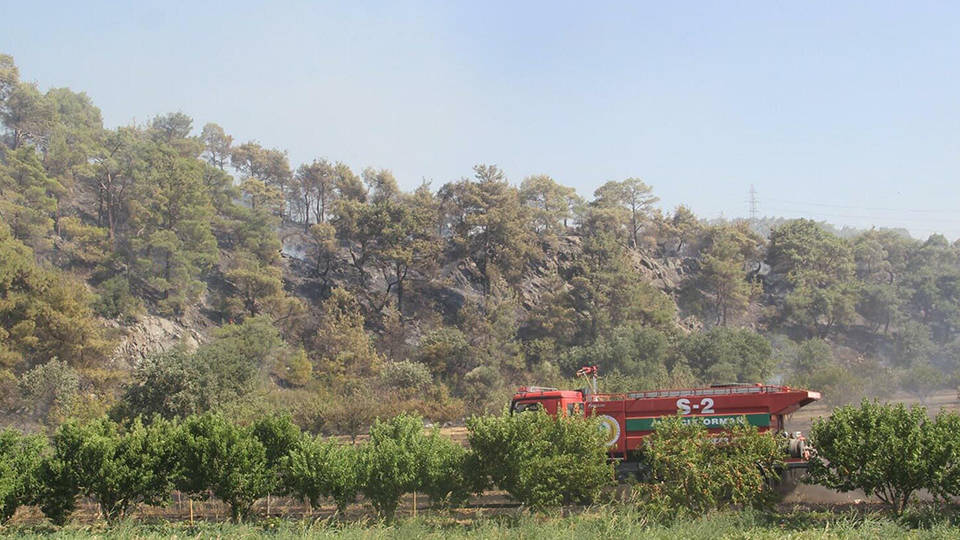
x,y
456,282
152,334
460,280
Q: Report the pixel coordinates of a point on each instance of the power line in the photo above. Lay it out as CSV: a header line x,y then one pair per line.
x,y
868,217
927,211
916,226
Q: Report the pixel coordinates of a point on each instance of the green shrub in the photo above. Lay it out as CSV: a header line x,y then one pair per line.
x,y
20,459
838,384
632,350
58,492
694,469
168,384
116,301
727,354
390,463
279,436
442,471
445,351
922,380
119,468
539,460
406,375
882,449
318,468
351,414
943,453
49,392
219,457
219,373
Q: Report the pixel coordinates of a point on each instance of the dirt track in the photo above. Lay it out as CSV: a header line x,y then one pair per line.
x,y
947,400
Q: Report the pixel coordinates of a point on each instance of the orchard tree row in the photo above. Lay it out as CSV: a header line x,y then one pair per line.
x,y
540,461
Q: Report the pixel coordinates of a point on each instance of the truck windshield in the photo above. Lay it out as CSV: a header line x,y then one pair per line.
x,y
527,406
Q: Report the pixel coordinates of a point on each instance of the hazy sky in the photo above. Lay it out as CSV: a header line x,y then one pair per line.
x,y
842,111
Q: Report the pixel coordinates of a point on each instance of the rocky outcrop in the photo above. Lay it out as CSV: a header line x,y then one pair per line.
x,y
663,273
458,281
149,335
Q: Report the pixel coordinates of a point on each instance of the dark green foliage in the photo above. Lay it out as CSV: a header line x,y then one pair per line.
x,y
693,469
606,291
913,343
488,223
406,375
44,313
400,458
880,305
882,449
28,197
119,468
342,344
630,201
391,462
821,310
814,366
58,492
49,392
440,299
722,288
180,383
729,355
216,456
631,350
21,457
808,254
943,454
551,205
443,471
279,437
318,468
819,266
238,354
167,384
445,351
922,380
539,460
171,215
115,300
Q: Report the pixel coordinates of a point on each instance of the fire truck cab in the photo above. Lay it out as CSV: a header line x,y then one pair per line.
x,y
552,400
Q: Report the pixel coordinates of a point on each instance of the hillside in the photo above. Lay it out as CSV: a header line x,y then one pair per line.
x,y
161,268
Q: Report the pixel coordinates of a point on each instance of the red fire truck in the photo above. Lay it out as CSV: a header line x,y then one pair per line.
x,y
628,418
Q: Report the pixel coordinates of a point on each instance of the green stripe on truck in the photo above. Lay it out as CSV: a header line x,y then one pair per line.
x,y
717,421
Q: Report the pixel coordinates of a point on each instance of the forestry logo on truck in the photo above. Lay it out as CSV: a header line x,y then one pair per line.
x,y
720,421
610,428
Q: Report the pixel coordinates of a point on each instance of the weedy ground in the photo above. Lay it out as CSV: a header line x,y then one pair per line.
x,y
600,522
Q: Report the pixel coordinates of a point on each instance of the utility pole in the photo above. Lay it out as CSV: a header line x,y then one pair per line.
x,y
754,204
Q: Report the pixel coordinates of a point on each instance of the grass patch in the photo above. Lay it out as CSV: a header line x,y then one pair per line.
x,y
602,522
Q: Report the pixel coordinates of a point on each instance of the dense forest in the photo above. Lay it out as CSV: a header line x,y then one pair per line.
x,y
165,269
